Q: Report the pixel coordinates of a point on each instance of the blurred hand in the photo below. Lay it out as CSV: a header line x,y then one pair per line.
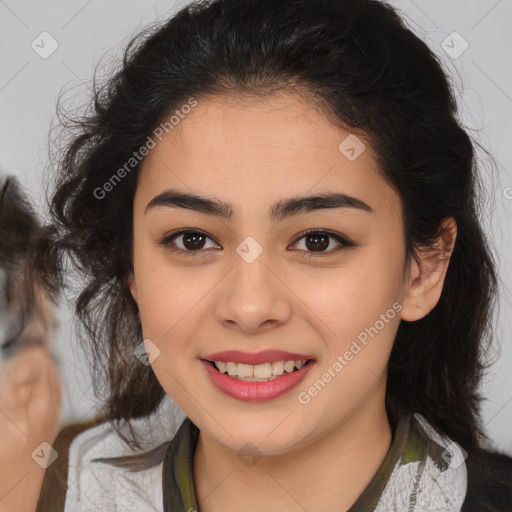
x,y
30,407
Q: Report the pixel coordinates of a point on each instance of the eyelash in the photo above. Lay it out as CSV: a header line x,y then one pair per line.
x,y
344,242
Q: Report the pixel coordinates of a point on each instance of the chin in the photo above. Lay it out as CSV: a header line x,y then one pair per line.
x,y
271,434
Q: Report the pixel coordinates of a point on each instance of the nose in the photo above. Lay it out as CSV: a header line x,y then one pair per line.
x,y
254,298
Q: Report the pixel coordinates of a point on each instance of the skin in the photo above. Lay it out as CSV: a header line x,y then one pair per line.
x,y
251,154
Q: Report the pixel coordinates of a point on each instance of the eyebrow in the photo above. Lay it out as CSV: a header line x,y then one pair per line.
x,y
280,210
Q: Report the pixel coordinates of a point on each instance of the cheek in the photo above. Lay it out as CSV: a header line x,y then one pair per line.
x,y
174,304
171,298
170,309
353,297
362,315
165,297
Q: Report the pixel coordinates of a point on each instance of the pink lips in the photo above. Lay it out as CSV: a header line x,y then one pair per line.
x,y
256,391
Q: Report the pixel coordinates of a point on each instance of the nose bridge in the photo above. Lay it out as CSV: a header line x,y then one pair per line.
x,y
253,296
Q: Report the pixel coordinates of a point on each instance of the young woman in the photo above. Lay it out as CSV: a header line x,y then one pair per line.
x,y
274,209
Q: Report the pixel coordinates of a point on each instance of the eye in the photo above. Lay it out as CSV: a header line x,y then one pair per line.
x,y
316,241
192,242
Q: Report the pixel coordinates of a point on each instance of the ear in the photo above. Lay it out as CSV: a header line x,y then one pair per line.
x,y
132,284
427,274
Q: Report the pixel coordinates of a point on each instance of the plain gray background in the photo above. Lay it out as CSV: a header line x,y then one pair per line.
x,y
87,30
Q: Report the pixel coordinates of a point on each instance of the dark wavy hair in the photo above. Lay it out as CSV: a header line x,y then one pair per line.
x,y
367,71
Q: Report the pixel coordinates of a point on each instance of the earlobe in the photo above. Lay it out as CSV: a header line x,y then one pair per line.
x,y
410,312
132,284
428,273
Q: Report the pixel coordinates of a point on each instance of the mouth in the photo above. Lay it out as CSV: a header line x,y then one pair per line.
x,y
257,377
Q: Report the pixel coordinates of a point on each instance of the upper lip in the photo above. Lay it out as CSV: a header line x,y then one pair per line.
x,y
265,356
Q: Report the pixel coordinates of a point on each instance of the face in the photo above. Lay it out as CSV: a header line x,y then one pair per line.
x,y
241,279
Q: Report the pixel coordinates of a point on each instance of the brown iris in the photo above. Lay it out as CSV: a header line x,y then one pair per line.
x,y
318,242
196,241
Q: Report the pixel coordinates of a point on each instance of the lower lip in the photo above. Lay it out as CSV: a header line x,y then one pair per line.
x,y
256,391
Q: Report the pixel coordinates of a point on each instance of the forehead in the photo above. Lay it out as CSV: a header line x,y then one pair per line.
x,y
263,149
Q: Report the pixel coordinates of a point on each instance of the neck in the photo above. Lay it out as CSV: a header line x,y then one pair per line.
x,y
328,474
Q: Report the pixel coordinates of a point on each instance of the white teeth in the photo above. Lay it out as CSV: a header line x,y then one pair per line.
x,y
231,368
258,372
289,366
262,371
245,370
278,368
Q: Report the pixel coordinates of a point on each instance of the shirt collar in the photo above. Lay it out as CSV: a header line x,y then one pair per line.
x,y
413,442
177,476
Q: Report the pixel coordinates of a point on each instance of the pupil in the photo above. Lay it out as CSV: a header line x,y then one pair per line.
x,y
323,244
197,243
